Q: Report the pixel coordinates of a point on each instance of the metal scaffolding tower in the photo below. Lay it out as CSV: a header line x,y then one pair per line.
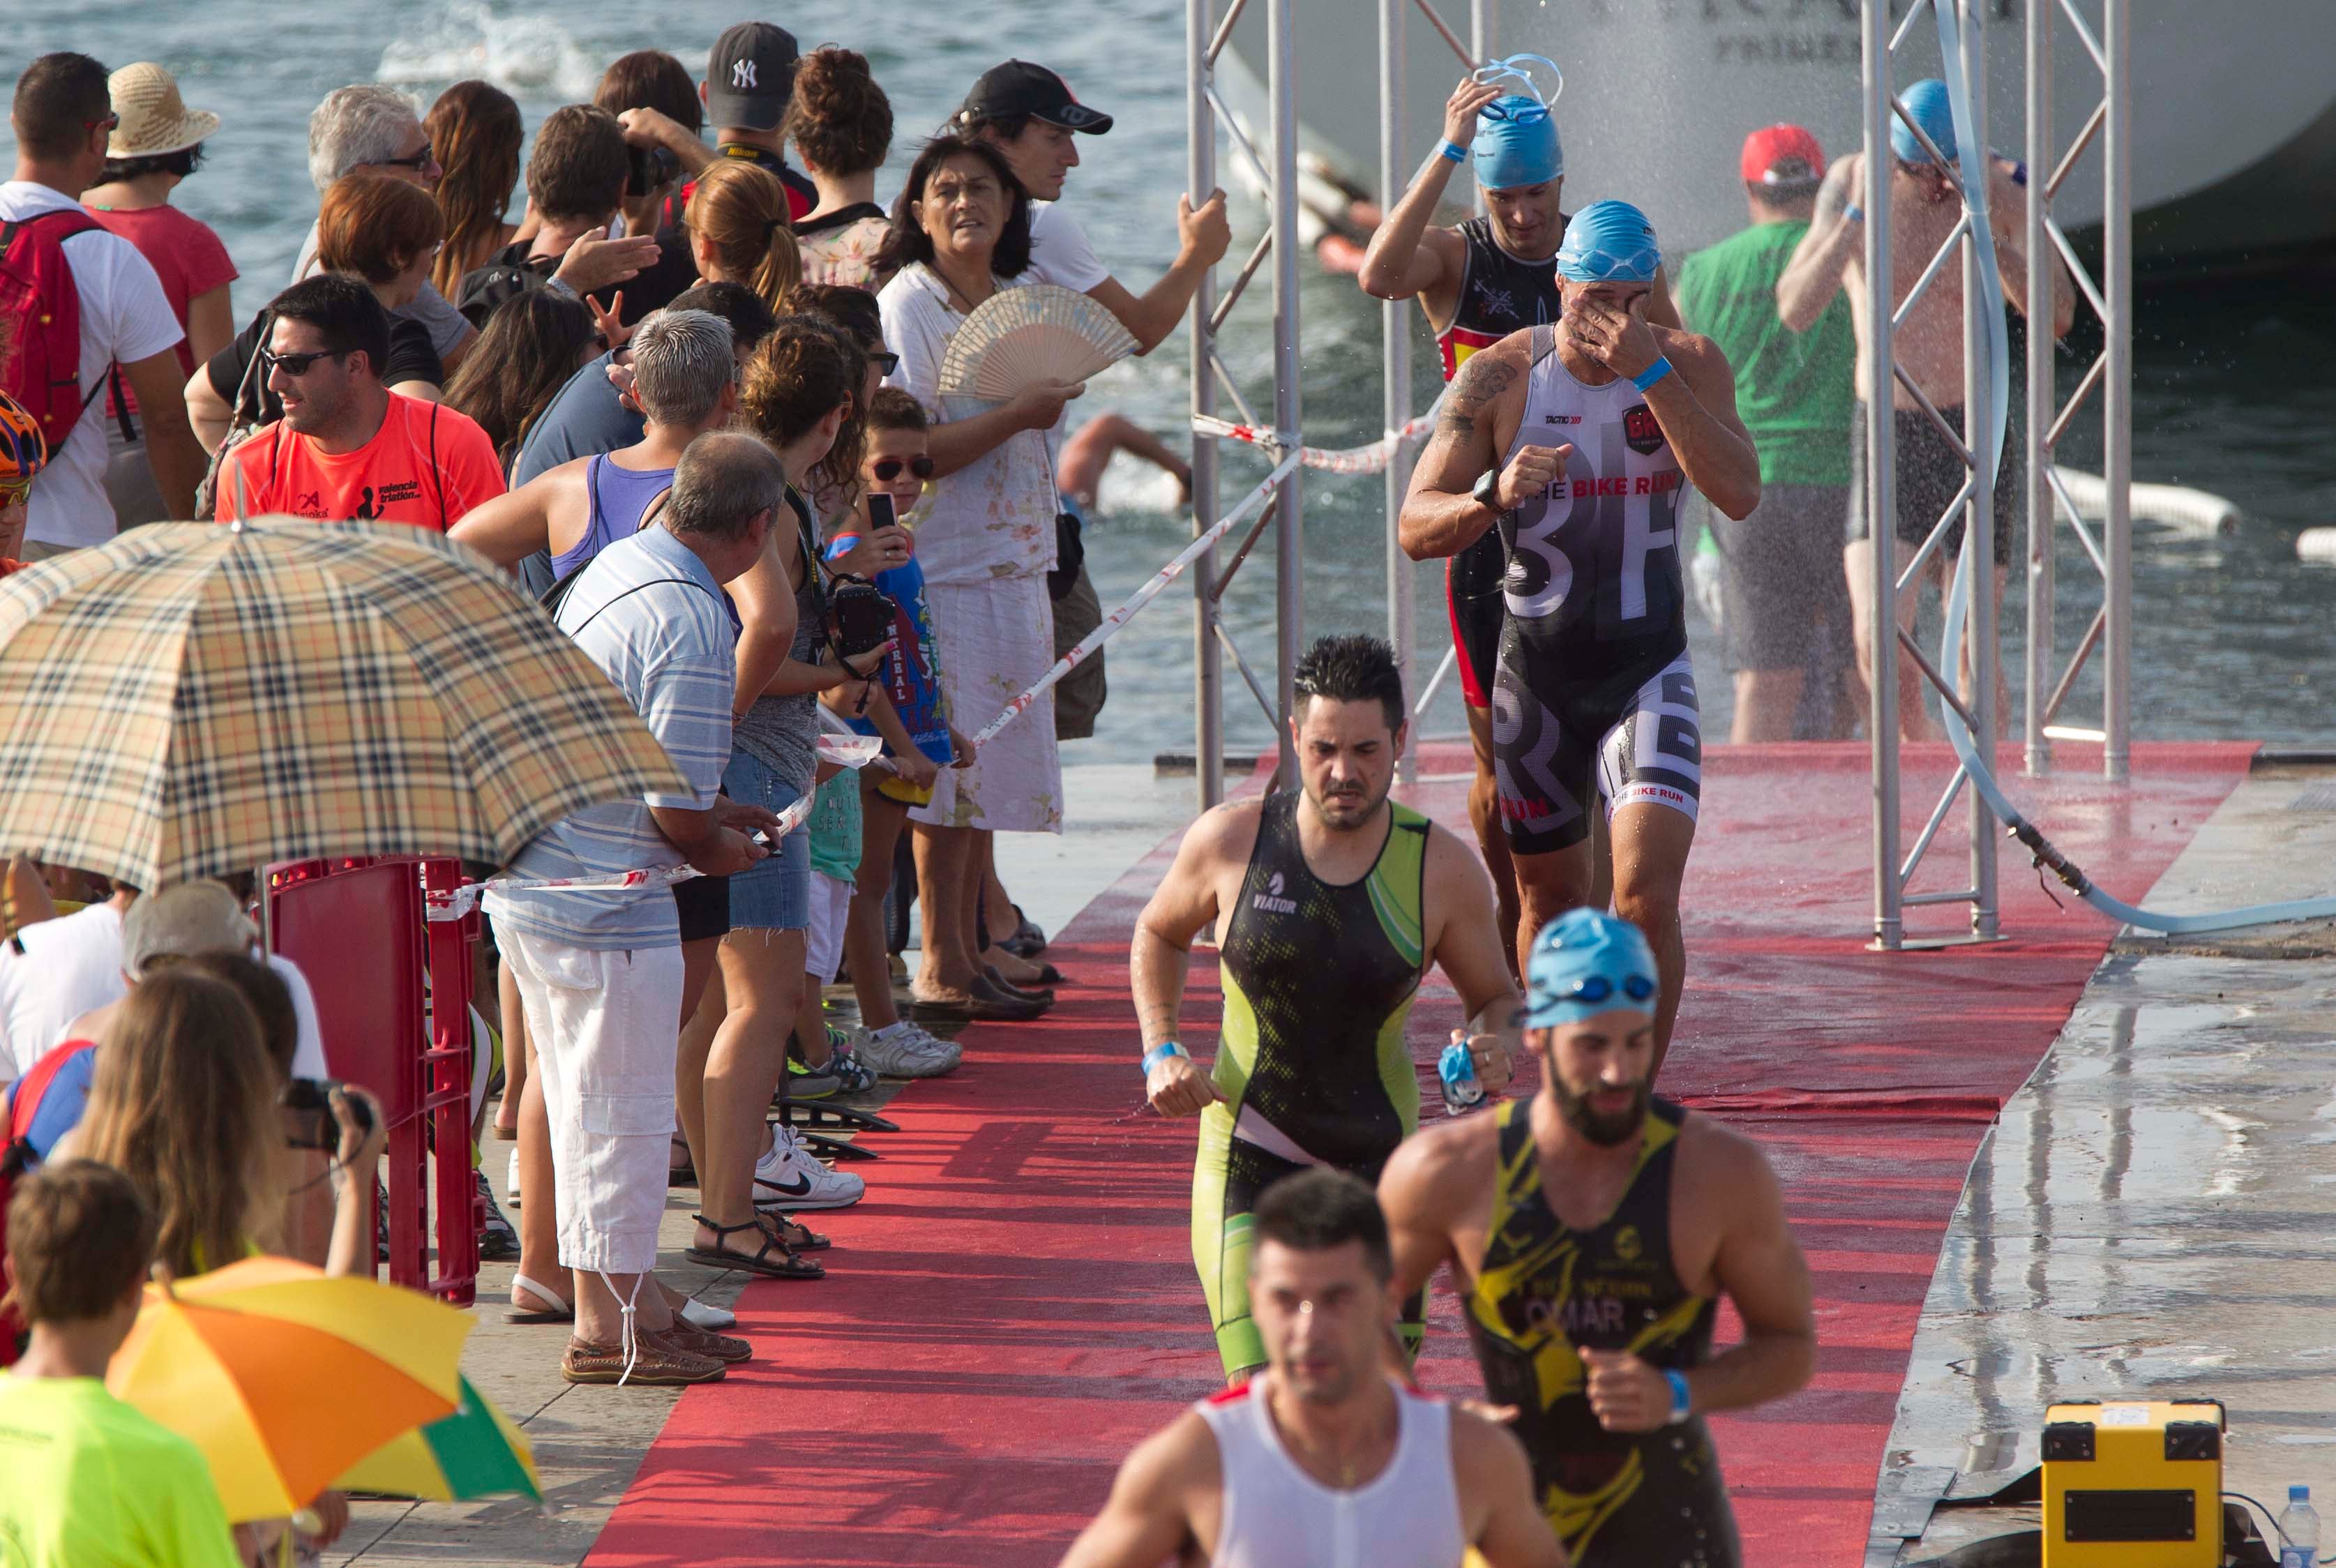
x,y
1964,67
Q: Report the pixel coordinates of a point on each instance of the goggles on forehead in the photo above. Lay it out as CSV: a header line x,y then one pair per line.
x,y
1512,68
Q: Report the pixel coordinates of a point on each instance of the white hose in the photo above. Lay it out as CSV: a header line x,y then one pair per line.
x,y
2175,506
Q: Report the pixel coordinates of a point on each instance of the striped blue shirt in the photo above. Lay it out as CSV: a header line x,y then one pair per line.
x,y
649,614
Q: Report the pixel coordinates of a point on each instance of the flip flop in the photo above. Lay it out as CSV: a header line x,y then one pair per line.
x,y
542,1292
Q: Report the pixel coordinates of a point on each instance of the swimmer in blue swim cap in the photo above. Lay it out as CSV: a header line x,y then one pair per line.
x,y
1591,1232
1573,443
1925,210
1477,282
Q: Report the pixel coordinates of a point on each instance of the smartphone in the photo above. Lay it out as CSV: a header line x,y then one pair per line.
x,y
881,513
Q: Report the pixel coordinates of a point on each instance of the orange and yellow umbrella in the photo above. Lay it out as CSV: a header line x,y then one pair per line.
x,y
284,1377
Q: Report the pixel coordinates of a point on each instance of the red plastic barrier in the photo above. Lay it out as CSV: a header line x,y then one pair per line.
x,y
355,927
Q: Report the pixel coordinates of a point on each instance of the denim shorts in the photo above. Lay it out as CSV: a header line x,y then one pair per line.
x,y
774,894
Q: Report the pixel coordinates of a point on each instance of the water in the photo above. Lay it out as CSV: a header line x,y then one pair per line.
x,y
2232,636
2299,1525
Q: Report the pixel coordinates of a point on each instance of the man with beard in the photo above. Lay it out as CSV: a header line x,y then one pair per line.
x,y
1592,1232
1330,903
1324,1458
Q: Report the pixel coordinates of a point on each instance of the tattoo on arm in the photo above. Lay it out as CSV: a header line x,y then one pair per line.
x,y
1482,380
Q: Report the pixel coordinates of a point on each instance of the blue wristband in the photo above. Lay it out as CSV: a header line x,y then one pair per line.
x,y
1682,1402
1454,152
1160,1053
1652,374
1853,213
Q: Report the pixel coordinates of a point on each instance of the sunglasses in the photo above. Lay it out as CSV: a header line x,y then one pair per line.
x,y
887,362
888,469
1595,988
292,364
111,122
419,161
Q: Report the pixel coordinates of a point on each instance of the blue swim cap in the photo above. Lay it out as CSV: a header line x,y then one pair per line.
x,y
1516,144
1585,963
1609,242
1927,103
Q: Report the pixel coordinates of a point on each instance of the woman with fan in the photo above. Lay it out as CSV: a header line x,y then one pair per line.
x,y
960,236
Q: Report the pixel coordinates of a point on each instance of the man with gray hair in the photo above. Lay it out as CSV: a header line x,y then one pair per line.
x,y
600,973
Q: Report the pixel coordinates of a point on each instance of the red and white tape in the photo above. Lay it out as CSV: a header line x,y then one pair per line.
x,y
1369,459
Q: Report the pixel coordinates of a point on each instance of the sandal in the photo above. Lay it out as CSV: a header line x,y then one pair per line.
x,y
565,1313
788,1267
1027,941
794,1233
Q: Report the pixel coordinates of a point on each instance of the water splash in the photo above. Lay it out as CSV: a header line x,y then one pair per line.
x,y
529,53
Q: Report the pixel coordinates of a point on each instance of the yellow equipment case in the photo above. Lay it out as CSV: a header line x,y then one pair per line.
x,y
2133,1484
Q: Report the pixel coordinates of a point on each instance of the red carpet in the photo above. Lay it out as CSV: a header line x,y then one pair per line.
x,y
1013,1306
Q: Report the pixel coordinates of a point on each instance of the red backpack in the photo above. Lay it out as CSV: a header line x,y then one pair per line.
x,y
18,1106
42,310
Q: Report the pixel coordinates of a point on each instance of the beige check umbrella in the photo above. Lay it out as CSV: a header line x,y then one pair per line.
x,y
192,699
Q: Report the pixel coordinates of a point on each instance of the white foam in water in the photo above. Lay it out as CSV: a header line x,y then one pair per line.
x,y
521,53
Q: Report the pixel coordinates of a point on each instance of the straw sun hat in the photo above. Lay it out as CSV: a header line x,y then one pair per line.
x,y
153,118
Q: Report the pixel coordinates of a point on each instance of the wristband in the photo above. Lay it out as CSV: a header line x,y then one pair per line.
x,y
1160,1053
1454,152
1652,374
1682,1402
561,286
1853,213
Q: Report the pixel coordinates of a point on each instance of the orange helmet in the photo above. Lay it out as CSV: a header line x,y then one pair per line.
x,y
23,452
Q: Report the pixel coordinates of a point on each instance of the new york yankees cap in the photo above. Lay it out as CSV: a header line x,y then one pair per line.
x,y
750,77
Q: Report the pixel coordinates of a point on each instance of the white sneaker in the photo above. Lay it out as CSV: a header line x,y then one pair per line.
x,y
510,1182
792,1177
907,1052
713,1319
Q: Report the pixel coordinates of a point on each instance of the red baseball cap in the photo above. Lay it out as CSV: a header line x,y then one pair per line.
x,y
1782,155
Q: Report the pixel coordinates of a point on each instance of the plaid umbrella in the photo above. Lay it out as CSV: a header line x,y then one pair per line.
x,y
191,699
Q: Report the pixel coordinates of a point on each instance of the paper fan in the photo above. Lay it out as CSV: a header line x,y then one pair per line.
x,y
1020,336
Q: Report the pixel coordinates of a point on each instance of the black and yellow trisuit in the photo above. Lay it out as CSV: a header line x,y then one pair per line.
x,y
1614,1498
1318,982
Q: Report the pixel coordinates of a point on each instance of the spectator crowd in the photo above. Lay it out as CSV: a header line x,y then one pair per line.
x,y
688,396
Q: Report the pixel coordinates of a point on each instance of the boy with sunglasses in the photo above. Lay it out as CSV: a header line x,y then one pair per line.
x,y
1591,1230
918,739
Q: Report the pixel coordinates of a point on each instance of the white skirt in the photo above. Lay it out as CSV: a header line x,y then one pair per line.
x,y
996,638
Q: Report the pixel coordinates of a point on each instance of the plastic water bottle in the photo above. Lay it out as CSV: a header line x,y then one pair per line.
x,y
2300,1526
1456,1068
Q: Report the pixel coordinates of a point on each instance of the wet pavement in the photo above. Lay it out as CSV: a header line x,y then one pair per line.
x,y
2153,1214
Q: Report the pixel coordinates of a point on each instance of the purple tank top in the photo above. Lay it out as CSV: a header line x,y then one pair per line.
x,y
619,497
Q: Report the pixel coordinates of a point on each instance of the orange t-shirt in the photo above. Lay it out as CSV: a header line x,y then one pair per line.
x,y
426,466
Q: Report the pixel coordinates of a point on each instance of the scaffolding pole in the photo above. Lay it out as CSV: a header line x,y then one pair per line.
x,y
1289,531
1208,664
1395,403
1879,474
2107,125
1979,513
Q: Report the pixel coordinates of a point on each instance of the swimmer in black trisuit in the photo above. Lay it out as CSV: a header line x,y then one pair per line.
x,y
1576,441
1477,282
1592,1232
1329,902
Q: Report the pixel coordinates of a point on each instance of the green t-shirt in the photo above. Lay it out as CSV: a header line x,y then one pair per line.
x,y
835,827
87,1482
1794,390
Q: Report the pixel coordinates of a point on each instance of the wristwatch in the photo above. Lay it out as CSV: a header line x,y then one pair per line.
x,y
1487,489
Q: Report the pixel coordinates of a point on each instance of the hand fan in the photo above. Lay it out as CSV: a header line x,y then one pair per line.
x,y
1020,336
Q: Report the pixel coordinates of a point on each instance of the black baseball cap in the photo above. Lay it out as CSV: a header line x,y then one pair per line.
x,y
1019,88
751,76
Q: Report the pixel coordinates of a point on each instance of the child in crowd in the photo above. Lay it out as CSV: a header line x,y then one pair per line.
x,y
86,1478
834,829
895,466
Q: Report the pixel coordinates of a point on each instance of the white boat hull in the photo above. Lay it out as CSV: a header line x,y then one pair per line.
x,y
2234,105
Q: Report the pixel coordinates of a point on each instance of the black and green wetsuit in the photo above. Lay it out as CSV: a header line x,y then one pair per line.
x,y
1318,982
1616,1499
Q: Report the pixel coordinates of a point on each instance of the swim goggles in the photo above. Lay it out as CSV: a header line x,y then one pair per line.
x,y
1498,70
1595,988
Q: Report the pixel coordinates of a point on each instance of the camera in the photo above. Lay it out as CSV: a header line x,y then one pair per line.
x,y
651,167
310,1101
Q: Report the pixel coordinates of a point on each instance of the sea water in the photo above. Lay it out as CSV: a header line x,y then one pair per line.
x,y
2232,636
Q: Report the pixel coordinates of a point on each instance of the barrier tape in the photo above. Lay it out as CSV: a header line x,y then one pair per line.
x,y
1143,596
1372,458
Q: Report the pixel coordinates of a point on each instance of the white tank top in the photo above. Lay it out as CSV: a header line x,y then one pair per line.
x,y
1276,1515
